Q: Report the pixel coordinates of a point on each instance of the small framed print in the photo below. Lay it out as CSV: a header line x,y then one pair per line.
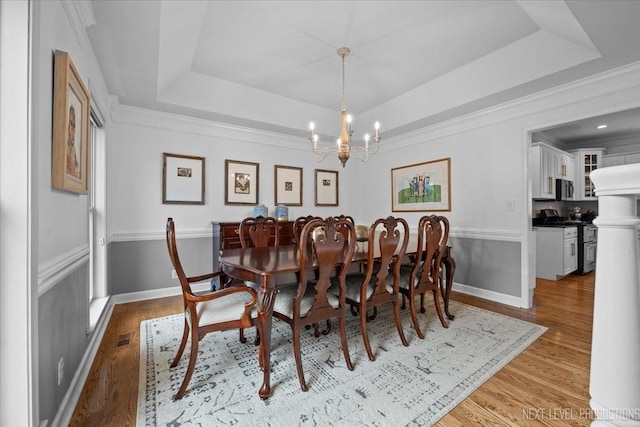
x,y
288,185
241,182
326,188
182,179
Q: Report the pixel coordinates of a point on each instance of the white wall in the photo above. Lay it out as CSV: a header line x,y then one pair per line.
x,y
63,223
488,152
137,139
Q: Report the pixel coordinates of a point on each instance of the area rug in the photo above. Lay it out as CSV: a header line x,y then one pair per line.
x,y
414,385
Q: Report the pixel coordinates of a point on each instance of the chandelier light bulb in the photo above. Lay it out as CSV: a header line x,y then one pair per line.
x,y
377,125
349,118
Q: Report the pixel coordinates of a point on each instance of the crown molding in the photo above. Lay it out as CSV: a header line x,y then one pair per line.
x,y
618,80
80,16
127,114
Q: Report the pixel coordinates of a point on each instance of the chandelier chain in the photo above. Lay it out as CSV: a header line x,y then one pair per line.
x,y
344,102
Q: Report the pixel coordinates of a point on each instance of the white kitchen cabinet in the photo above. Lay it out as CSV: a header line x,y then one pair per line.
x,y
587,160
556,252
565,166
542,164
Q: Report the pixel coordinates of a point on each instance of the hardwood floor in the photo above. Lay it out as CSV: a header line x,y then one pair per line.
x,y
547,384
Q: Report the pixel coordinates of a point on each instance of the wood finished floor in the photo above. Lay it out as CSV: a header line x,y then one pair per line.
x,y
547,384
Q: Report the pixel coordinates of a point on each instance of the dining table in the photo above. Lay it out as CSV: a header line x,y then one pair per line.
x,y
267,266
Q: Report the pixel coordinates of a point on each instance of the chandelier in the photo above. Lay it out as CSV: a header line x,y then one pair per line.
x,y
343,146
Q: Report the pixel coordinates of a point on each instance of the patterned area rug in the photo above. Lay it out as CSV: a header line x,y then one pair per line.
x,y
414,385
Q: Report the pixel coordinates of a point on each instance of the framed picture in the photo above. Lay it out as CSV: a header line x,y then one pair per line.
x,y
422,187
241,182
288,185
71,110
326,188
182,179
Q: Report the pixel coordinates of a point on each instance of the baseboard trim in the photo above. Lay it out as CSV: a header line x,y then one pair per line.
x,y
157,293
487,294
70,400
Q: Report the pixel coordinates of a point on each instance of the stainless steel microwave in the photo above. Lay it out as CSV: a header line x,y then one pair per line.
x,y
564,189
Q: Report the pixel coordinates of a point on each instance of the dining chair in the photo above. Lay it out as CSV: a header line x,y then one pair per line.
x,y
379,282
223,309
425,273
258,232
299,223
308,302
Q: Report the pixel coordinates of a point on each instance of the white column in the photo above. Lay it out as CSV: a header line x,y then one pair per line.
x,y
615,346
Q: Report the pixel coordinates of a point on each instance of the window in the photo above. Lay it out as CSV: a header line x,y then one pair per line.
x,y
97,225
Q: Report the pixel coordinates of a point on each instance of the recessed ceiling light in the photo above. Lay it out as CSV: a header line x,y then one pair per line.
x,y
601,126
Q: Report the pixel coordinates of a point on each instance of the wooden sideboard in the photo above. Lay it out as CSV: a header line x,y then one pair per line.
x,y
226,235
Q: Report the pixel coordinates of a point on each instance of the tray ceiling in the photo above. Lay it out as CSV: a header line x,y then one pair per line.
x,y
272,65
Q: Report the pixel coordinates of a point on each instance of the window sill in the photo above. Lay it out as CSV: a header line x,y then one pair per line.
x,y
96,308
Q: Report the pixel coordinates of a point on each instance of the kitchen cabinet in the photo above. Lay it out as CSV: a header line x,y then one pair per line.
x,y
556,252
543,167
587,160
547,164
565,166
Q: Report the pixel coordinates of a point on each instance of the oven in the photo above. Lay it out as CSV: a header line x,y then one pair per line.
x,y
587,245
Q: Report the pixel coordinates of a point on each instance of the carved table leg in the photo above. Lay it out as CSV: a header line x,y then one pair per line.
x,y
266,298
450,268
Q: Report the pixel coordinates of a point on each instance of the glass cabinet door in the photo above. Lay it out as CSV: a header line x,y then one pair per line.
x,y
590,164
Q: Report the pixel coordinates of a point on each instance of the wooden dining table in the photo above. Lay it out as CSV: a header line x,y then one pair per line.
x,y
265,265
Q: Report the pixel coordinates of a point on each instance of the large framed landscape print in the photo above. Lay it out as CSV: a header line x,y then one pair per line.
x,y
422,187
71,110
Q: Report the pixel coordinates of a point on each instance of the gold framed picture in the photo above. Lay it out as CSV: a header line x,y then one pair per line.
x,y
71,111
422,187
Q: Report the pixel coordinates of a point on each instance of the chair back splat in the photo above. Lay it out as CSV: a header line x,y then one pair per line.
x,y
259,232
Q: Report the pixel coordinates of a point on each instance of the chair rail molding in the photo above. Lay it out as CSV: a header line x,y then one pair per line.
x,y
140,236
615,345
52,271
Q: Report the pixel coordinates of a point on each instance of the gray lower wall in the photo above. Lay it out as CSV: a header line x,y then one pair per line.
x,y
62,332
491,265
145,265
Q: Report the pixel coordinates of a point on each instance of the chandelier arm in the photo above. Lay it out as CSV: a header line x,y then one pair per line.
x,y
321,155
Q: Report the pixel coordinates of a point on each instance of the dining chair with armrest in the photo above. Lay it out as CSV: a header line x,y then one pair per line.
x,y
308,301
424,275
227,308
379,283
